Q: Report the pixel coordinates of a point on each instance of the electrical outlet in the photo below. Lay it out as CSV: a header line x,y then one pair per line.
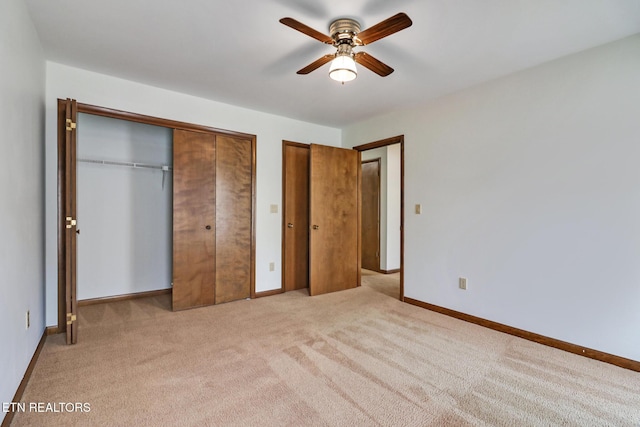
x,y
272,266
462,283
28,319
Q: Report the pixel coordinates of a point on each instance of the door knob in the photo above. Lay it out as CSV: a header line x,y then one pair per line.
x,y
208,227
315,227
290,225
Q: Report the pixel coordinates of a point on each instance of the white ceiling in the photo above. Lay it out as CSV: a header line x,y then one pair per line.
x,y
238,53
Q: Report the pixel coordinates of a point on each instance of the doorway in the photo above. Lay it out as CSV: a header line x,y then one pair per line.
x,y
390,151
295,255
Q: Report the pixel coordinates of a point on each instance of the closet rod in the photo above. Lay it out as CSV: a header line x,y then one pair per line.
x,y
130,164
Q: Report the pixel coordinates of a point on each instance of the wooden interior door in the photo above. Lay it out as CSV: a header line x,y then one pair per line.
x,y
194,219
371,214
334,242
234,218
71,299
295,251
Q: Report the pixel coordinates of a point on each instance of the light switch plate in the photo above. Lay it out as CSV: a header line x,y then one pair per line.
x,y
274,209
418,209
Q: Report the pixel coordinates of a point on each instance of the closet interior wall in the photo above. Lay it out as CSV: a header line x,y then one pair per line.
x,y
124,212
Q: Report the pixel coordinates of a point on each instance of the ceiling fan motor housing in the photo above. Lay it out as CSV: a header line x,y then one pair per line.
x,y
343,31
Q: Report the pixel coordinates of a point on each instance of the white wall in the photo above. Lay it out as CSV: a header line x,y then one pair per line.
x,y
125,244
393,207
22,80
530,188
98,89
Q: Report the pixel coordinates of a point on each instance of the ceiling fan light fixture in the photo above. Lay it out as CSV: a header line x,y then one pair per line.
x,y
343,69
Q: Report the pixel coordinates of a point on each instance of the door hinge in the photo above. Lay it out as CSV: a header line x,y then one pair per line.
x,y
71,318
70,124
71,222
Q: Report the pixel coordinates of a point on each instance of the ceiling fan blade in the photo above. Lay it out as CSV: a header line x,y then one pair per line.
x,y
297,25
385,28
317,63
368,61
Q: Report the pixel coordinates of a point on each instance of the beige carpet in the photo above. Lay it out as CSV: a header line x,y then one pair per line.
x,y
358,357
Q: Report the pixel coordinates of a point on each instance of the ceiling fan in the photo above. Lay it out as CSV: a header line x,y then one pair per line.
x,y
345,34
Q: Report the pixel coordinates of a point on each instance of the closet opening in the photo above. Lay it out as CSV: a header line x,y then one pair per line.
x,y
124,200
116,211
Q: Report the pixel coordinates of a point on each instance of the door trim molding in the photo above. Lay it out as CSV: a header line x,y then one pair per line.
x,y
144,119
151,120
399,139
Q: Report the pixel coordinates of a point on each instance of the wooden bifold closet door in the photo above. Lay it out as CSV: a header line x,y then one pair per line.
x,y
212,218
233,218
70,219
